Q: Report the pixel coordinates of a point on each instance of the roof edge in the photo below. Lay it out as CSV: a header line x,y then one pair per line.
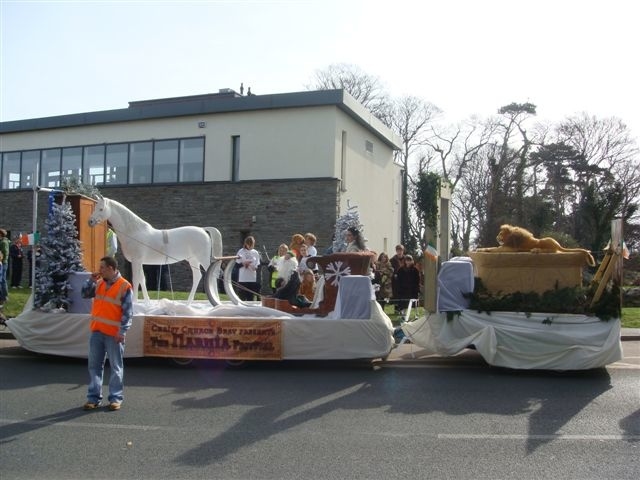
x,y
209,104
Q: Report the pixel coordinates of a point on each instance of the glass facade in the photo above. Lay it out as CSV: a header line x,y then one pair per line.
x,y
145,162
71,162
165,161
30,162
93,170
116,164
50,168
191,152
11,170
140,162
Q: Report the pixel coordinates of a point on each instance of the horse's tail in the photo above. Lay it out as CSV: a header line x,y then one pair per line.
x,y
216,242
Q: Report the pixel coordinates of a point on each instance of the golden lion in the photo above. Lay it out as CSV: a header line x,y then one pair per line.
x,y
518,239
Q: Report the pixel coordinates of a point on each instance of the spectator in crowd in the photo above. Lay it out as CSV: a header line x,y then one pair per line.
x,y
310,241
308,285
288,282
112,243
17,257
249,261
397,261
302,264
273,264
297,240
407,283
3,283
383,276
4,250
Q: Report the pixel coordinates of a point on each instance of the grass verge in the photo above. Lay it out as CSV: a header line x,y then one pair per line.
x,y
18,298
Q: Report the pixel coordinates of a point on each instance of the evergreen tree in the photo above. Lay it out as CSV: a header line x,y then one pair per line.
x,y
61,255
349,219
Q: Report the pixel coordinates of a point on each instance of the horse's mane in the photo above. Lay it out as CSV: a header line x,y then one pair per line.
x,y
129,218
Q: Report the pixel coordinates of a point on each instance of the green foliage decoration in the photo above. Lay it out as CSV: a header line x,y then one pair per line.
x,y
73,185
567,300
426,198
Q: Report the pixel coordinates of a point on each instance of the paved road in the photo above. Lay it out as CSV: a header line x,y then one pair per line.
x,y
418,418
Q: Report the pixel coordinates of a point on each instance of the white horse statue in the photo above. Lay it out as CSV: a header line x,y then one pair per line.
x,y
144,245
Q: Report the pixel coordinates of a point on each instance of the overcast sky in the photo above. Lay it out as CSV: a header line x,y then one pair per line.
x,y
467,56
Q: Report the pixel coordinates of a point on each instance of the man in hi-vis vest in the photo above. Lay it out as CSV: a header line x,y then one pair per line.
x,y
111,316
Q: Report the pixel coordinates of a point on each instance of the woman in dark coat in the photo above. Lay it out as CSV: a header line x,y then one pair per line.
x,y
407,282
15,252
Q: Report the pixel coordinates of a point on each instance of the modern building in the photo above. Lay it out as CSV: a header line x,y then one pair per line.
x,y
265,165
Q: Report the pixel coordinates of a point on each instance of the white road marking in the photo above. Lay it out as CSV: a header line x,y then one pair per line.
x,y
6,421
559,436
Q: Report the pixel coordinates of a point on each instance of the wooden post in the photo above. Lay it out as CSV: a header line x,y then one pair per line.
x,y
611,265
438,240
616,244
430,282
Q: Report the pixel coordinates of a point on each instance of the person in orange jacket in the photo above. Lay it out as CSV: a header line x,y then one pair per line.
x,y
111,317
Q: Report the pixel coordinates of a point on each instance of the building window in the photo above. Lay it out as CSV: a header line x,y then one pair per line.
x,y
343,163
235,158
30,162
11,170
140,156
50,172
192,160
368,146
117,158
161,161
165,161
71,162
94,165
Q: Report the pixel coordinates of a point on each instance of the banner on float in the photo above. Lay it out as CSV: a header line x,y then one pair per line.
x,y
214,338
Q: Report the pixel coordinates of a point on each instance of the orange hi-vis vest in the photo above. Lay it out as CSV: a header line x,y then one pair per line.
x,y
106,314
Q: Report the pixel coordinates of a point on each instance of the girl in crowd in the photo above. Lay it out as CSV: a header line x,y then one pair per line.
x,y
249,261
308,285
302,265
383,277
273,264
407,282
297,240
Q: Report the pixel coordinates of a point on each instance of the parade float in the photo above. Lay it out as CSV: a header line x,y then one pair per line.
x,y
495,301
343,322
525,309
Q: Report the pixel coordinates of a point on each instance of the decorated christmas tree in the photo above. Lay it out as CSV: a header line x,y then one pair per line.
x,y
350,219
61,255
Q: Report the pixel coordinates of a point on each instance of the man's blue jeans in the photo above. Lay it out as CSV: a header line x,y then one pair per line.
x,y
102,346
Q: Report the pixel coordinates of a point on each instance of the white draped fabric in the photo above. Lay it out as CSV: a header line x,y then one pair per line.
x,y
455,284
307,337
521,341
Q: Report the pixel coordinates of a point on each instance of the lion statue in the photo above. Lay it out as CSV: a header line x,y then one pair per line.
x,y
518,239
